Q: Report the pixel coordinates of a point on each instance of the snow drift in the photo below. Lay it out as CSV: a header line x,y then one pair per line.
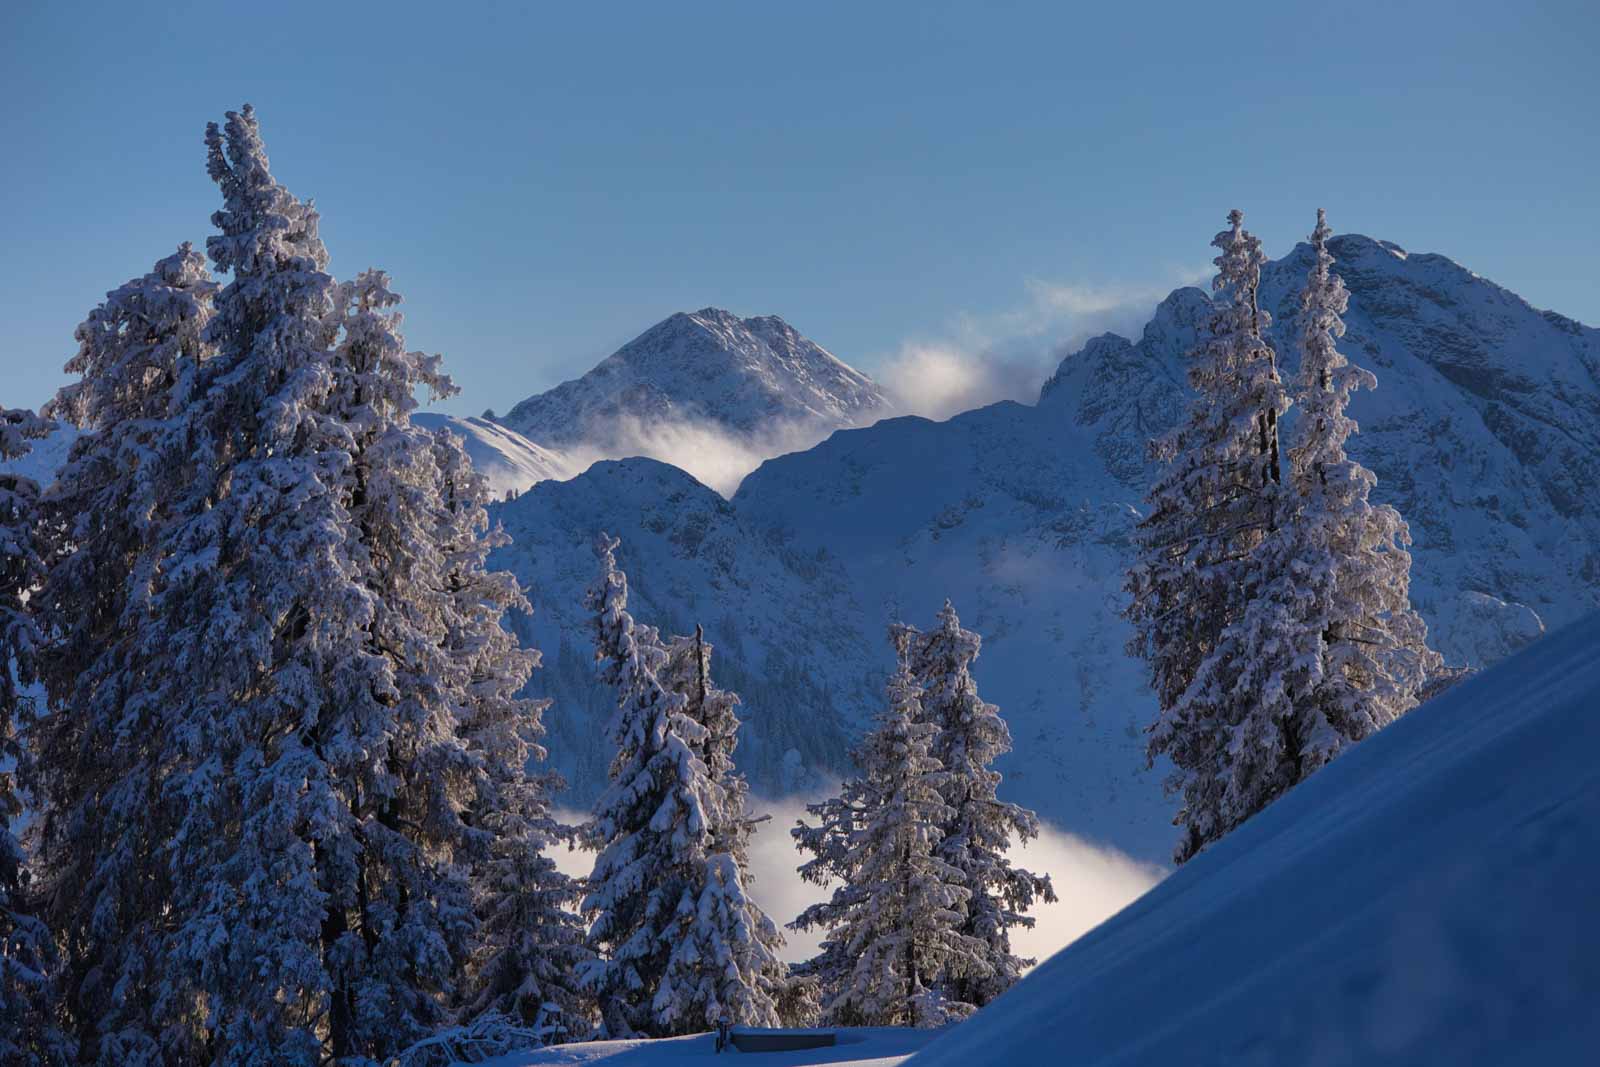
x,y
1427,898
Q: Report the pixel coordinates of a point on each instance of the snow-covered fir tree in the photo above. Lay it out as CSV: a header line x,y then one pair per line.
x,y
282,710
101,753
733,951
1218,498
893,940
431,812
1376,654
651,828
1339,652
530,940
305,748
29,1032
981,827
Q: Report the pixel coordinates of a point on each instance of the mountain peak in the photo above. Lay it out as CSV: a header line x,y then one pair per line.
x,y
748,376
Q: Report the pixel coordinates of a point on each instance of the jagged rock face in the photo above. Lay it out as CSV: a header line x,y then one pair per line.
x,y
744,375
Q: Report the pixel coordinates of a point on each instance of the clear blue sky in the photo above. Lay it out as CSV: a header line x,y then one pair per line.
x,y
544,181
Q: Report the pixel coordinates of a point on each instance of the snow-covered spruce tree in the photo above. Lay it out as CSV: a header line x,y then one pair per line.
x,y
651,827
731,959
29,1032
530,939
1351,653
1376,656
893,926
100,755
1217,500
431,814
1330,649
279,708
971,736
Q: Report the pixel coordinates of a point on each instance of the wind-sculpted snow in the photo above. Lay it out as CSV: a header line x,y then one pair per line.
x,y
1484,431
1427,898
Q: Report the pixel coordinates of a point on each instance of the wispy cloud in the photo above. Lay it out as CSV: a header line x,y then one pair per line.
x,y
715,455
981,358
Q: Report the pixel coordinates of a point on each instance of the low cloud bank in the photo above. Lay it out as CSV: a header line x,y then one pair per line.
x,y
1093,882
714,455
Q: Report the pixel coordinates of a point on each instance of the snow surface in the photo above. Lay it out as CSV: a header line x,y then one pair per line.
x,y
1427,898
866,1047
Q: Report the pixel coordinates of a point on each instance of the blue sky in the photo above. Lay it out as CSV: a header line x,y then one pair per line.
x,y
546,181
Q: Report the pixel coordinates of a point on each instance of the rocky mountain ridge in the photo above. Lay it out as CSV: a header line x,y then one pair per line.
x,y
1483,431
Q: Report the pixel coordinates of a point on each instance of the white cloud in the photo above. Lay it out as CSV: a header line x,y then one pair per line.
x,y
1092,882
1006,355
716,456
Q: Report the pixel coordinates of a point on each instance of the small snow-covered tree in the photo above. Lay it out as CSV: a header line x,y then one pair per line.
x,y
99,756
1216,501
651,828
893,925
732,956
29,1032
981,827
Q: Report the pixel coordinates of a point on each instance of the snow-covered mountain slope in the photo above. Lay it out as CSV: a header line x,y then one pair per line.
x,y
768,612
1022,514
1484,429
508,461
755,376
1428,898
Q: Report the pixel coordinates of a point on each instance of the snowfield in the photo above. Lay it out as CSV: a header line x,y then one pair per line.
x,y
867,1047
1429,898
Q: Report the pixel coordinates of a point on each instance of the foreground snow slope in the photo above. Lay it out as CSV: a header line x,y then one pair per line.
x,y
880,1047
1429,898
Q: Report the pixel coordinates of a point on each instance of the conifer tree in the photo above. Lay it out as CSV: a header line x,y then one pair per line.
x,y
1216,501
29,1032
1376,658
893,925
97,771
732,957
1341,653
971,736
651,828
530,940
